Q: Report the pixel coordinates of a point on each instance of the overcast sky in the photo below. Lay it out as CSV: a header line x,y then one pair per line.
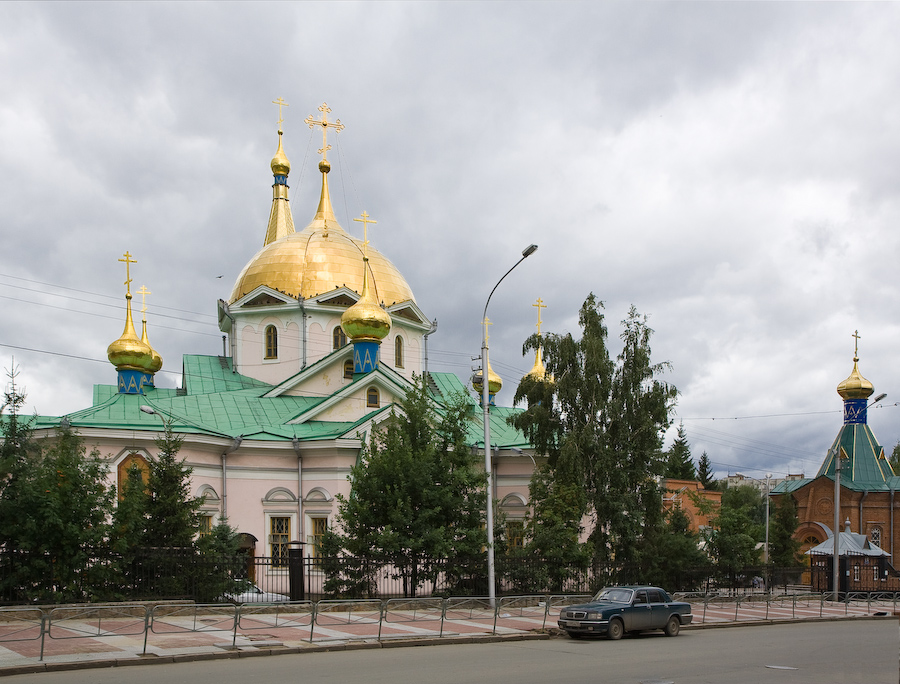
x,y
731,169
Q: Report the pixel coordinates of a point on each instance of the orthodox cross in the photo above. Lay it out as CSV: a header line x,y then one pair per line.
x,y
365,220
325,124
281,103
540,305
128,261
143,292
854,335
487,322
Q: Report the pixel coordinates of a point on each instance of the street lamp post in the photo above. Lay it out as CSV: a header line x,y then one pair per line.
x,y
768,477
485,403
835,561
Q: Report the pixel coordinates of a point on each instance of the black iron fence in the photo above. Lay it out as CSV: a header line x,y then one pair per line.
x,y
184,574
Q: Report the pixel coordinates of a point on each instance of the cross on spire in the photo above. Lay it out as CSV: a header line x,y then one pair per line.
x,y
143,292
365,220
487,322
325,124
281,103
128,261
856,337
540,305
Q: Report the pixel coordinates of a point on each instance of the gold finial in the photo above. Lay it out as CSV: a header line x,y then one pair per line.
x,y
128,261
540,305
855,335
365,220
487,322
281,103
325,124
143,292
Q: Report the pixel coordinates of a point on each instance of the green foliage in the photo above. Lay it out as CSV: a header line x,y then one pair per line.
x,y
705,473
418,492
673,558
736,531
679,464
601,424
172,514
55,507
222,565
784,550
895,458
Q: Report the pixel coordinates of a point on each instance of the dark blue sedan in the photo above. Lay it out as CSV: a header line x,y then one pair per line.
x,y
616,610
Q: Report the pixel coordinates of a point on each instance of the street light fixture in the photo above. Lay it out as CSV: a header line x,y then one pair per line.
x,y
485,403
768,477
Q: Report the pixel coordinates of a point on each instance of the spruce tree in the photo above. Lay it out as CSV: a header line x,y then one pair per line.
x,y
172,518
679,465
705,473
783,548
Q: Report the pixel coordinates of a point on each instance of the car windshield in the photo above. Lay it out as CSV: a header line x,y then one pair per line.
x,y
614,595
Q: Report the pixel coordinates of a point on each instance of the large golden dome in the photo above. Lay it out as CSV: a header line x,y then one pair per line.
x,y
319,259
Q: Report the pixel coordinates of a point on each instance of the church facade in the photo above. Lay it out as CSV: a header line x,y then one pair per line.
x,y
324,335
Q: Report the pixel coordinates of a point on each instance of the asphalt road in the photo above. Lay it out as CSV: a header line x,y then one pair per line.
x,y
847,651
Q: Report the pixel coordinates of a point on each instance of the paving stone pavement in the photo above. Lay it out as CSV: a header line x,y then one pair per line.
x,y
122,640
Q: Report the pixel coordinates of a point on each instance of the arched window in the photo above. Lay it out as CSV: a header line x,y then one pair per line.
x,y
271,342
372,398
131,461
876,535
348,369
338,338
398,351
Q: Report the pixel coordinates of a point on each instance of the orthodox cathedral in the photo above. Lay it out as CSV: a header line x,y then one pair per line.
x,y
323,335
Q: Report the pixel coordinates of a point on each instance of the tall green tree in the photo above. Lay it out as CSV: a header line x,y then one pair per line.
x,y
705,473
737,531
55,507
172,516
677,562
600,423
417,492
679,464
895,458
783,548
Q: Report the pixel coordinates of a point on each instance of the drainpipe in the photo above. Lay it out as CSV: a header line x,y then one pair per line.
x,y
296,444
234,447
431,331
301,301
865,494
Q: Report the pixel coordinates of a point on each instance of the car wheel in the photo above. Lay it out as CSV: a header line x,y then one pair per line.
x,y
615,630
673,626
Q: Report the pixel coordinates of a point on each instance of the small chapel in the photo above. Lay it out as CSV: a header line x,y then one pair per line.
x,y
865,507
323,335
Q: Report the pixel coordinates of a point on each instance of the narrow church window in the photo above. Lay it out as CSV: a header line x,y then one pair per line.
x,y
876,536
131,461
338,338
205,525
856,573
515,534
271,342
348,369
372,398
314,540
279,536
398,352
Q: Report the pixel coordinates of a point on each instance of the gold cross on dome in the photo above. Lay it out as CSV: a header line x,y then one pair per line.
x,y
487,322
855,335
281,103
325,124
540,305
143,292
128,261
365,220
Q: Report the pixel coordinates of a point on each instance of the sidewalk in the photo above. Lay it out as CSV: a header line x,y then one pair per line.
x,y
205,633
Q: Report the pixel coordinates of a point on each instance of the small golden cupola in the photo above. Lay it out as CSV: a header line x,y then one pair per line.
x,y
281,221
366,323
855,390
132,357
157,359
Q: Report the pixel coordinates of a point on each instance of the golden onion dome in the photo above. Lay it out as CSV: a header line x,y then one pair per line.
x,y
321,258
280,164
495,382
129,352
366,320
855,386
538,371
